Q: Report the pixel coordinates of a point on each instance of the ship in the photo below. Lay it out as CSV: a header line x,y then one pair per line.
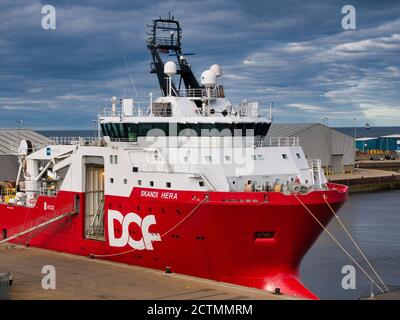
x,y
185,182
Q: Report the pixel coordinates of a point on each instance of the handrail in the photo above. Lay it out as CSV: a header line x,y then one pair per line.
x,y
73,140
219,142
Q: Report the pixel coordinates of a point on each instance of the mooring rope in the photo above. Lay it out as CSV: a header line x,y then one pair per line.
x,y
162,236
338,243
355,243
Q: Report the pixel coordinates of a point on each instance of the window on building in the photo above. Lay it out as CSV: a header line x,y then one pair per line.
x,y
115,159
111,180
168,184
111,159
151,183
139,182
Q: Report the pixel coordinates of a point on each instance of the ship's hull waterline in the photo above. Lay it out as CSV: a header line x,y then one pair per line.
x,y
254,239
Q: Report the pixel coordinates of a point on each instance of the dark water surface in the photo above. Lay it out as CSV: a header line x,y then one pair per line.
x,y
373,219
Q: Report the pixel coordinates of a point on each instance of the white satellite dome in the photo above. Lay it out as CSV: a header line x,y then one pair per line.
x,y
208,78
216,68
170,68
25,147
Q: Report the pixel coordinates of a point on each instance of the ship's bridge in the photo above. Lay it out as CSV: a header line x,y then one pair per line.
x,y
172,116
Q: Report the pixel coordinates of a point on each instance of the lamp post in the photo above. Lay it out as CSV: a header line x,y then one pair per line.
x,y
95,128
20,121
355,137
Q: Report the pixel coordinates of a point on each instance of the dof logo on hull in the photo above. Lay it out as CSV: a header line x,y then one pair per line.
x,y
146,242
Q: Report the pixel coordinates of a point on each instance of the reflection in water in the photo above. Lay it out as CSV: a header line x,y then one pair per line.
x,y
373,219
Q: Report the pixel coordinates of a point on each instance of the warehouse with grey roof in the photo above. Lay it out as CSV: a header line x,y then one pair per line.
x,y
335,149
9,141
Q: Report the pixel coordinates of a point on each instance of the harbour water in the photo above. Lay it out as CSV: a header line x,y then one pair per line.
x,y
373,219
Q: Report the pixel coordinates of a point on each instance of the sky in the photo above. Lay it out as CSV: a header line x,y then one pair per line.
x,y
294,53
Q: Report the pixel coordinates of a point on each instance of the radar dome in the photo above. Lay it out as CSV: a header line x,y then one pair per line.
x,y
170,68
208,78
25,148
216,68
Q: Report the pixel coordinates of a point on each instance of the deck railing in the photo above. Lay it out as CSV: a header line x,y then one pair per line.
x,y
215,142
82,141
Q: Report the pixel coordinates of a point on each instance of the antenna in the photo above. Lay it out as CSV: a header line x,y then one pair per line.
x,y
129,71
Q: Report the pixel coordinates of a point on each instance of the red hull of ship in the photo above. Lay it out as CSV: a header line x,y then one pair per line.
x,y
217,241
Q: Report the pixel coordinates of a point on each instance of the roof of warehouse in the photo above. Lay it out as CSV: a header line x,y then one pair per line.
x,y
292,129
288,129
391,136
12,137
367,138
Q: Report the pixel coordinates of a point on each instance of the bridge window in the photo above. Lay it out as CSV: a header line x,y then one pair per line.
x,y
284,156
131,131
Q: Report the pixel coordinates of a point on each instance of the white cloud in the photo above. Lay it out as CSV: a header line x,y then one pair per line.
x,y
306,107
34,90
380,112
78,97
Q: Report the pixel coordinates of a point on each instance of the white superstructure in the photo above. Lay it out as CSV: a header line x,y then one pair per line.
x,y
173,144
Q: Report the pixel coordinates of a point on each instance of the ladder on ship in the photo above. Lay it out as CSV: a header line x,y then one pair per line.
x,y
64,212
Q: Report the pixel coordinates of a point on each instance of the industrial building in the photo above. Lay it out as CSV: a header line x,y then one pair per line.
x,y
335,149
383,143
367,143
9,142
